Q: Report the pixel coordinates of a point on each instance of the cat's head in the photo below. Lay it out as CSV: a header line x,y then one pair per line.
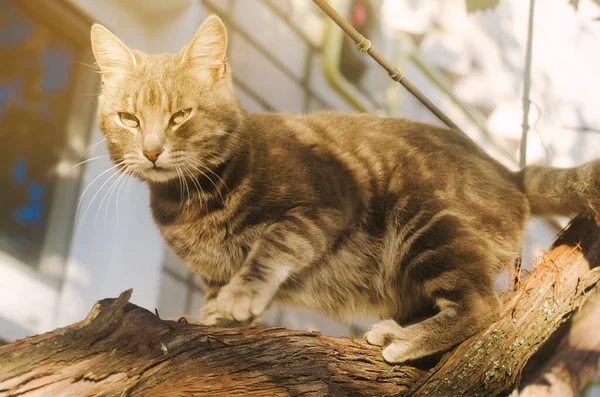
x,y
168,115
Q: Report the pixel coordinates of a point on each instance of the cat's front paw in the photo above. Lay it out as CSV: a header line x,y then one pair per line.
x,y
210,314
213,318
239,303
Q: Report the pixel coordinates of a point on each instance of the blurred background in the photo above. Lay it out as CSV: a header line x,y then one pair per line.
x,y
285,56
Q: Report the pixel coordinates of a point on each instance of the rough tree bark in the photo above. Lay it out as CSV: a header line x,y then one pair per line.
x,y
122,349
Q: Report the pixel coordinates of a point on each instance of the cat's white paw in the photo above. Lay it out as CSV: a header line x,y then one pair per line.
x,y
210,315
213,318
397,352
383,332
239,303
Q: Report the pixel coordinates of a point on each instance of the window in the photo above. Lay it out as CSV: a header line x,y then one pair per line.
x,y
44,124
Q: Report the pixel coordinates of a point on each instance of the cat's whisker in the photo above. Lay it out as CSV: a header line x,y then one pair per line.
x,y
201,164
92,148
217,175
201,193
129,174
118,183
195,181
95,68
118,174
112,191
195,162
237,136
214,155
96,96
96,194
207,177
90,185
88,160
184,189
187,187
180,177
134,174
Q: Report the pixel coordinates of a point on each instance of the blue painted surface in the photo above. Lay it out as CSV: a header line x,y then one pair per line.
x,y
19,171
56,65
35,192
8,90
31,212
17,28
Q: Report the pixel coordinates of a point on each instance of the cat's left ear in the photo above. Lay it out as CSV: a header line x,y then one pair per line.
x,y
208,48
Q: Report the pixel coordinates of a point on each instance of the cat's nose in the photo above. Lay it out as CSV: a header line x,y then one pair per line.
x,y
152,155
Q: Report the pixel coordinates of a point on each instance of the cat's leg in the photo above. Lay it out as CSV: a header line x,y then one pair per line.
x,y
209,314
461,314
447,270
285,249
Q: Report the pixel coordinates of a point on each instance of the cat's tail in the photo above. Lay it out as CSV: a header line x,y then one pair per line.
x,y
562,191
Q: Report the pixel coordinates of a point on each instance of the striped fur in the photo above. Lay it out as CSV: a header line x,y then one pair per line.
x,y
345,214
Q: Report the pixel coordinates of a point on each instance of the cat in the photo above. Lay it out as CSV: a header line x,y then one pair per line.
x,y
346,214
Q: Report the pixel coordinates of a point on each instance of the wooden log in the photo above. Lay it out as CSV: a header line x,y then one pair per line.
x,y
122,349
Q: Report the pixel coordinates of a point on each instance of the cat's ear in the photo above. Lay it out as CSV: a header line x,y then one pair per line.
x,y
111,54
208,48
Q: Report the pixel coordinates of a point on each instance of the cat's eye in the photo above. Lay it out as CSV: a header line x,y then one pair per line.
x,y
129,120
180,116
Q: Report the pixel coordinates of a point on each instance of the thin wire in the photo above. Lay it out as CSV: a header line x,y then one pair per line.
x,y
364,45
526,88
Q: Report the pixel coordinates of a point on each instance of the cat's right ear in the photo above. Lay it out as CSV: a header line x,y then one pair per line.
x,y
111,54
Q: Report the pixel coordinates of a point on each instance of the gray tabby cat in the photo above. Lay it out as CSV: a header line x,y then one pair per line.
x,y
345,214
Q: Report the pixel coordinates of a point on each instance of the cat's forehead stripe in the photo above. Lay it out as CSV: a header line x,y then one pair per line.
x,y
154,95
131,102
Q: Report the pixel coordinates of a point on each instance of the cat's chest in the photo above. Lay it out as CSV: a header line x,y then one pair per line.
x,y
209,249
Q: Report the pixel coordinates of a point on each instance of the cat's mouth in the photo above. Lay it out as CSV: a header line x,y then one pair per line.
x,y
158,173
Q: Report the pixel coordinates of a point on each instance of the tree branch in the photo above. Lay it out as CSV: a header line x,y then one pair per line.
x,y
122,349
576,359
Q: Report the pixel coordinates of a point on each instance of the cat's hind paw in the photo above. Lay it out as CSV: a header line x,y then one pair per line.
x,y
397,352
383,333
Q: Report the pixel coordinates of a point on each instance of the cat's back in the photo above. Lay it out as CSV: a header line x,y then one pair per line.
x,y
380,141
